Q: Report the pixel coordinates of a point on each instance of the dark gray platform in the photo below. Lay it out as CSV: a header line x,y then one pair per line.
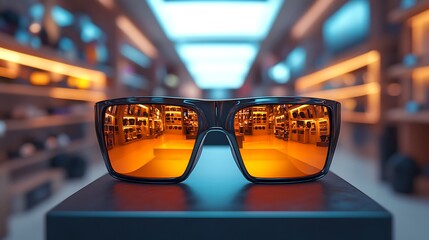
x,y
218,203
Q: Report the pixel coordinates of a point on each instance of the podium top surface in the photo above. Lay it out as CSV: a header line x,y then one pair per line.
x,y
216,188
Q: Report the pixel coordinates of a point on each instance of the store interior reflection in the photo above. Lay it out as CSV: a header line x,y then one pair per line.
x,y
156,141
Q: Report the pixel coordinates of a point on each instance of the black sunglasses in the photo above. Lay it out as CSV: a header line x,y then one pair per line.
x,y
168,155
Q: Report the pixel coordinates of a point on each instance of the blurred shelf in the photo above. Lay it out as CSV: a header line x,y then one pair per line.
x,y
47,121
359,117
53,92
9,42
399,14
35,188
400,70
17,163
346,92
400,115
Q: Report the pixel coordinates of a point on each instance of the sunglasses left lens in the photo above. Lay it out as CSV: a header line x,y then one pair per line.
x,y
150,141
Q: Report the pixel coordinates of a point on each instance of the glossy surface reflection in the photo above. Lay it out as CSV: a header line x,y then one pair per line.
x,y
150,141
283,140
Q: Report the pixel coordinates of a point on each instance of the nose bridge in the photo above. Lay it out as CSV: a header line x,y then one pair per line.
x,y
216,115
222,111
220,130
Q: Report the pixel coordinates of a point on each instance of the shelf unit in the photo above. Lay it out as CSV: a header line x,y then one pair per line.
x,y
28,176
308,124
173,120
354,91
260,116
412,125
52,92
46,122
399,15
190,123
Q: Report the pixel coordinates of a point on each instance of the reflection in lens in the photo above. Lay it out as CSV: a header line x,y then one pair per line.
x,y
290,142
150,141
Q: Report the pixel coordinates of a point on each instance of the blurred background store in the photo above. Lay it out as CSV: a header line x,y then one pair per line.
x,y
58,57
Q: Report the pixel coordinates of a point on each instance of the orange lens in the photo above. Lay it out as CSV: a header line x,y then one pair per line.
x,y
283,140
150,141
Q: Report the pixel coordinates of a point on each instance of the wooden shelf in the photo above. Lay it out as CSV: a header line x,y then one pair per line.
x,y
75,146
10,42
18,191
47,121
400,115
400,70
52,92
399,14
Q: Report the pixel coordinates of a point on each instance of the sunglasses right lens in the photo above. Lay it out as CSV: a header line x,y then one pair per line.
x,y
151,141
292,141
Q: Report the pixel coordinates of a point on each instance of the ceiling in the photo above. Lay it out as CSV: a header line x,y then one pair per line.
x,y
274,44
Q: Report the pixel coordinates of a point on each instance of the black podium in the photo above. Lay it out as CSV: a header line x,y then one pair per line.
x,y
216,202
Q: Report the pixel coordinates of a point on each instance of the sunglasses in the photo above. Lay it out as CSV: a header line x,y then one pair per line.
x,y
262,156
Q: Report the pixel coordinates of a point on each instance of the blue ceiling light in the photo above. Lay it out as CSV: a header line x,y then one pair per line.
x,y
61,16
135,55
217,52
221,80
237,26
215,66
280,73
348,26
218,75
248,20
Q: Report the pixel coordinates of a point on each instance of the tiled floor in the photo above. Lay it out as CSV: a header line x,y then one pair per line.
x,y
411,214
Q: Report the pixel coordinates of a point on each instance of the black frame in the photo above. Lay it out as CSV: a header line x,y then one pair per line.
x,y
218,116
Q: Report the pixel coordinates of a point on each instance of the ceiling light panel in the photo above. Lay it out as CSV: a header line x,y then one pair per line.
x,y
187,20
221,80
217,52
218,66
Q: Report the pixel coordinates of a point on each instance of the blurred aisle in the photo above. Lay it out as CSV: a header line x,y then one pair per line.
x,y
31,224
411,214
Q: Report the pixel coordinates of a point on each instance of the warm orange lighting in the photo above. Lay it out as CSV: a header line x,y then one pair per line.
x,y
96,77
347,92
419,24
10,71
75,94
78,83
146,150
337,70
265,152
370,88
39,78
297,108
310,18
420,82
136,36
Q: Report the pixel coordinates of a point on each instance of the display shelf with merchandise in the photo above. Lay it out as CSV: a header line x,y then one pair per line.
x,y
409,115
173,119
260,117
355,82
400,14
47,121
61,92
42,157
